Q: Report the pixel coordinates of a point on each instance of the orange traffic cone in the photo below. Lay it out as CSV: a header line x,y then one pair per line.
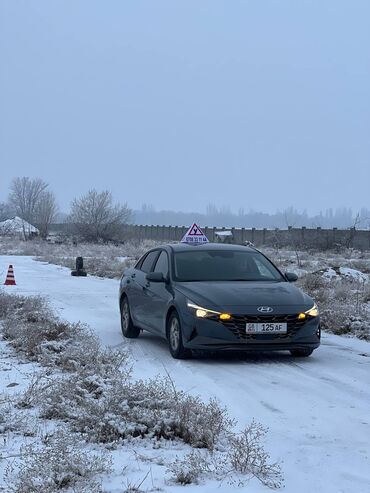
x,y
10,279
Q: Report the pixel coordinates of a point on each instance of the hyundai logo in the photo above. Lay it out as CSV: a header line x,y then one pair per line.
x,y
265,309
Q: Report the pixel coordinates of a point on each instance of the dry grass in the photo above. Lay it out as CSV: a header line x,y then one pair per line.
x,y
89,390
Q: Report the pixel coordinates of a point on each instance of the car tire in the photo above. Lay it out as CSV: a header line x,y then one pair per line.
x,y
128,328
174,334
301,352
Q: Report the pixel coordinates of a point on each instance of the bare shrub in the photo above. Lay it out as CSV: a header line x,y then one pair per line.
x,y
103,260
7,304
341,291
363,265
201,424
61,464
247,456
107,267
30,397
95,395
84,354
243,458
32,328
13,420
345,310
40,248
114,408
314,285
312,282
366,294
360,326
190,468
110,267
31,323
335,317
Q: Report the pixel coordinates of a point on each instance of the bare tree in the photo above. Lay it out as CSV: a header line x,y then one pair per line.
x,y
45,212
292,239
353,231
25,194
95,218
6,211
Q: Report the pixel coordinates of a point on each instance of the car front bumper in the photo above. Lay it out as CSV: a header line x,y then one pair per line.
x,y
201,333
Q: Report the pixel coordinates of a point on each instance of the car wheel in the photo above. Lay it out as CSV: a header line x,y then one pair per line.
x,y
301,352
128,328
177,349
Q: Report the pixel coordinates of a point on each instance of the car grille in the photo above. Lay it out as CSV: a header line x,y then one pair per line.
x,y
238,323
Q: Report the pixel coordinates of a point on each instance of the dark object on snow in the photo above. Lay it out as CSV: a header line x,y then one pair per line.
x,y
79,268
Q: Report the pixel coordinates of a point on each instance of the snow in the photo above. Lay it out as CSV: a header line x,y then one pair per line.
x,y
330,273
353,273
17,225
317,409
345,272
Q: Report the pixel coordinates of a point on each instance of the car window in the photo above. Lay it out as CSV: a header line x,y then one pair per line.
x,y
162,264
140,262
224,265
262,268
147,264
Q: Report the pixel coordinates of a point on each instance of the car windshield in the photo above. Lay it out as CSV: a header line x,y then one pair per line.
x,y
224,265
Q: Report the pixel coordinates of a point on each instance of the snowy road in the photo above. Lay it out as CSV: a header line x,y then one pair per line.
x,y
318,409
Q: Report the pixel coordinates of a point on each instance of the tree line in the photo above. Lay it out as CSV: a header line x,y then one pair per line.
x,y
93,216
341,218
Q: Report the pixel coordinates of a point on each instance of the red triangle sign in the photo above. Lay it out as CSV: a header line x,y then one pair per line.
x,y
194,236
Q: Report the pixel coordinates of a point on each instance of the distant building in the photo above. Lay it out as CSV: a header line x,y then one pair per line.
x,y
223,236
18,227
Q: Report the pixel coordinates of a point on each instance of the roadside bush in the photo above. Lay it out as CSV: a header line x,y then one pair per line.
x,y
366,294
85,355
201,425
247,456
11,304
107,410
363,265
32,328
31,322
94,394
343,304
61,464
40,248
317,287
12,420
109,267
243,458
190,468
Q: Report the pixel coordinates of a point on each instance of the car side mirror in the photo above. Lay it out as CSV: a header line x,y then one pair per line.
x,y
155,277
291,276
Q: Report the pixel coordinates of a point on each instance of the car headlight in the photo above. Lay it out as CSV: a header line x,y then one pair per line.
x,y
313,312
201,312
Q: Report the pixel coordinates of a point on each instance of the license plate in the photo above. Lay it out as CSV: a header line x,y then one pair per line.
x,y
266,328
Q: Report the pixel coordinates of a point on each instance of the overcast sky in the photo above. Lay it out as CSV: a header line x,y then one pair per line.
x,y
253,103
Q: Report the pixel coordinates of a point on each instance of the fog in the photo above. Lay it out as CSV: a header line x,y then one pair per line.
x,y
253,105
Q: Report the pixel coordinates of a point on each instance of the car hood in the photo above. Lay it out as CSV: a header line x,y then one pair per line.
x,y
233,296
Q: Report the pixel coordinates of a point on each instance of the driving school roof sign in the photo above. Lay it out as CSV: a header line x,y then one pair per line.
x,y
194,235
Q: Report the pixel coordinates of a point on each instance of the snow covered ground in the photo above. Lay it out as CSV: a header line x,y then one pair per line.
x,y
317,409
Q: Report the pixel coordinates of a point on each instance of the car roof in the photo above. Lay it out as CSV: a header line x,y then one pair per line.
x,y
186,247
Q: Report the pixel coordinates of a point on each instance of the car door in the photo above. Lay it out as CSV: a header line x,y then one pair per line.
x,y
159,295
138,298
